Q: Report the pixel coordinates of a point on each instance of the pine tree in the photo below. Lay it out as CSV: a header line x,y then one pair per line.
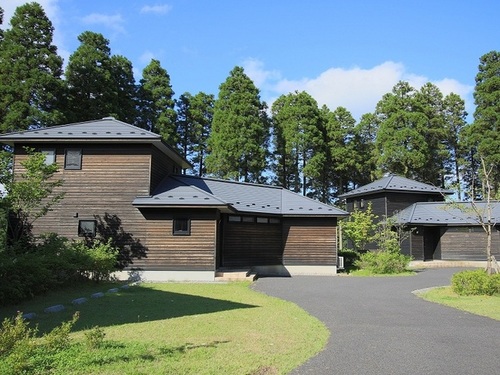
x,y
484,133
238,142
194,118
90,80
125,93
299,140
30,72
156,103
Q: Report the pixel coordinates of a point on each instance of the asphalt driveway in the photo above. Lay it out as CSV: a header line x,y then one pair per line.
x,y
379,327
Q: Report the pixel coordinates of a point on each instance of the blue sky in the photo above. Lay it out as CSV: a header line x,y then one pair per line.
x,y
343,53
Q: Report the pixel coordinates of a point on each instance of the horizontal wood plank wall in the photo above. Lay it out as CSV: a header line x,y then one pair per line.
x,y
166,251
161,166
310,241
457,243
251,244
110,178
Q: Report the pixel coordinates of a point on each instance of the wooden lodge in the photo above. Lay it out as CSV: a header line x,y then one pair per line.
x,y
124,180
436,230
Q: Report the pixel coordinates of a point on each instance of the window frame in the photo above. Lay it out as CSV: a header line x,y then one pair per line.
x,y
85,233
181,226
73,166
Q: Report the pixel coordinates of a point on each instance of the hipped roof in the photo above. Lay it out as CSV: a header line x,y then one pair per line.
x,y
447,214
394,183
107,130
236,197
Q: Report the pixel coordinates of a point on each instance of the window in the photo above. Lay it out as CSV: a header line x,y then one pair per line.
x,y
86,228
234,219
50,155
248,219
73,158
182,227
262,220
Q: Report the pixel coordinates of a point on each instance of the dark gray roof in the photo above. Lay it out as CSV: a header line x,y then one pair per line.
x,y
231,196
106,130
446,214
395,184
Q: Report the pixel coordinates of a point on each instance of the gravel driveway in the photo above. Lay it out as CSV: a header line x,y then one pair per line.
x,y
379,327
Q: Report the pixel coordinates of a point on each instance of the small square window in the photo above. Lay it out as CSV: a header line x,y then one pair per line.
x,y
73,158
87,228
234,219
50,155
182,227
248,219
262,220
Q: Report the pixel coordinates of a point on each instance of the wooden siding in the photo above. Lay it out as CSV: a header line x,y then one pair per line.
x,y
251,244
110,178
310,241
467,243
161,167
167,251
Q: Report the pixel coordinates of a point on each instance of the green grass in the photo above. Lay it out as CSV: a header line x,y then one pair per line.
x,y
488,306
364,272
181,328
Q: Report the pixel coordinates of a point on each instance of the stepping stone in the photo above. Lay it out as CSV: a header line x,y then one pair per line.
x,y
53,309
97,295
29,316
113,290
124,287
79,301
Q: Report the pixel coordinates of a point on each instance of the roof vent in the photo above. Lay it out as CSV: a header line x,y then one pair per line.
x,y
109,118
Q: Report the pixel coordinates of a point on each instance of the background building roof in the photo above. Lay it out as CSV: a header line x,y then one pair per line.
x,y
395,184
231,196
447,214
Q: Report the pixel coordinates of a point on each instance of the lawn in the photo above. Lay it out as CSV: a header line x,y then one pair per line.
x,y
488,306
181,328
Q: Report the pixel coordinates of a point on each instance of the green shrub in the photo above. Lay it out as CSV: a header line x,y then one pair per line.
x,y
477,282
14,332
383,262
350,258
94,337
97,259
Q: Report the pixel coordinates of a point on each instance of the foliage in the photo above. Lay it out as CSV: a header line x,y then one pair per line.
x,y
484,135
476,282
25,354
194,117
52,263
481,305
31,88
32,193
238,142
99,84
350,258
298,140
98,260
383,262
360,228
156,103
94,337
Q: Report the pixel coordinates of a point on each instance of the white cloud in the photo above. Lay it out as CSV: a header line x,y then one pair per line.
x,y
356,89
49,6
114,22
146,57
157,9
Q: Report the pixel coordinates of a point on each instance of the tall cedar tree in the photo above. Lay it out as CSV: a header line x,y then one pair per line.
x,y
365,133
483,137
30,72
455,121
239,139
299,140
429,101
99,84
340,127
194,117
156,103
